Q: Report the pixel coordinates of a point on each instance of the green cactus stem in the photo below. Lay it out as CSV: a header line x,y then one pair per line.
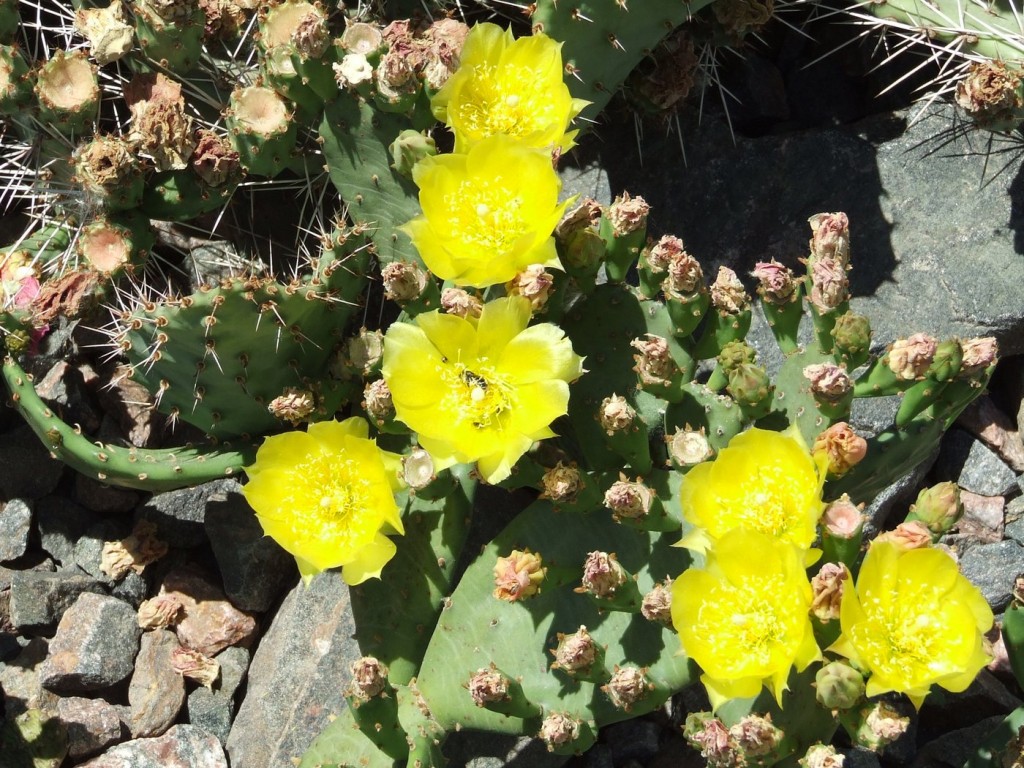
x,y
262,130
148,470
297,55
15,81
10,20
113,245
170,32
68,92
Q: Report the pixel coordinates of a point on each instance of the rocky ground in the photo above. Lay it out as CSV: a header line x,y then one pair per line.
x,y
938,246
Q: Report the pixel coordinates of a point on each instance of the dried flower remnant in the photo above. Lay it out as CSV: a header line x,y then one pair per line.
x,y
215,160
776,283
559,729
353,70
627,687
842,447
654,363
518,576
133,553
661,254
991,92
403,281
828,381
602,575
616,414
576,653
910,358
561,483
109,34
756,735
657,604
369,677
827,590
534,283
830,237
728,295
842,518
160,611
685,275
195,666
978,354
457,301
377,401
688,446
911,534
488,686
294,405
822,756
627,214
712,738
627,499
830,287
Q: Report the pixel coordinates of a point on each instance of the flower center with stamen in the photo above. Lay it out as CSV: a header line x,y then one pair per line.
x,y
508,102
478,395
485,213
745,617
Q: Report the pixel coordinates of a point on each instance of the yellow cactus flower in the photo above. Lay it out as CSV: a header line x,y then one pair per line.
x,y
763,480
914,621
480,389
509,87
327,497
488,214
744,617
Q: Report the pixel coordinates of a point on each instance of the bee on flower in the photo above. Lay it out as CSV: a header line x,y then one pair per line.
x,y
914,621
326,496
510,87
480,389
487,214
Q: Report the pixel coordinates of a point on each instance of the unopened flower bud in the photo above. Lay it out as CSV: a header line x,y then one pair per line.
x,y
584,250
576,653
561,484
734,354
911,534
776,283
518,576
881,727
839,686
685,275
827,591
852,333
654,364
418,469
843,447
533,283
842,518
616,414
456,301
911,358
749,384
365,350
377,401
602,574
828,381
488,686
979,354
728,294
369,678
688,446
661,254
830,237
403,281
627,214
627,686
756,735
948,360
822,756
629,500
938,507
293,405
830,286
559,729
408,149
657,604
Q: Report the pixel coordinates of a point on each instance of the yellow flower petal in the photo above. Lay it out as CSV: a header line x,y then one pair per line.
x,y
370,561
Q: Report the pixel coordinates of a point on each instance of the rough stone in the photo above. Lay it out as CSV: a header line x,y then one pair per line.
x,y
254,567
306,651
982,519
1014,520
88,551
183,746
213,709
210,623
96,496
15,524
974,466
179,514
29,471
954,748
635,739
94,647
156,692
992,569
92,725
475,749
929,229
20,685
132,589
40,598
61,523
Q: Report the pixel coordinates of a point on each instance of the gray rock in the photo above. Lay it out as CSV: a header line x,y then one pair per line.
x,y
861,758
936,237
40,598
475,749
92,725
992,568
598,756
179,514
889,507
96,496
15,524
213,709
183,746
209,623
635,739
307,651
1014,518
20,684
132,588
61,524
156,692
94,647
88,551
956,747
974,466
590,180
29,470
254,567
